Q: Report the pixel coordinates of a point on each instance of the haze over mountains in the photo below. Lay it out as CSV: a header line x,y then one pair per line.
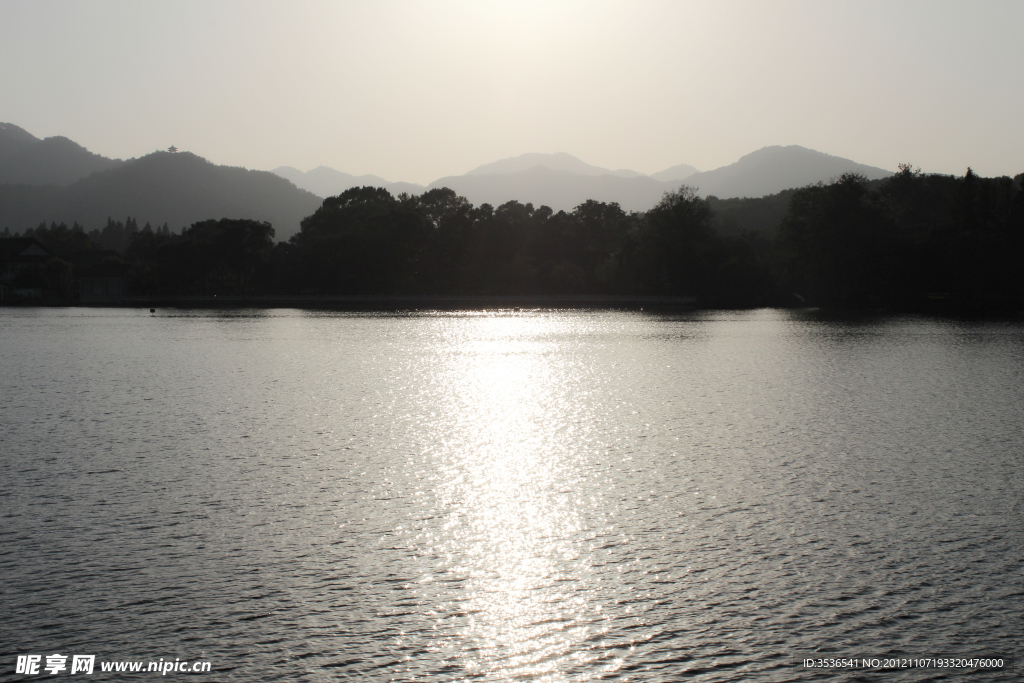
x,y
324,181
556,162
57,180
27,160
773,169
562,181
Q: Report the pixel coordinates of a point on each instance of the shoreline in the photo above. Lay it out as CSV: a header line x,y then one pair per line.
x,y
400,302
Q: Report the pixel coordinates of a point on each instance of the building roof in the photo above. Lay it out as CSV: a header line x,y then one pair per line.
x,y
17,248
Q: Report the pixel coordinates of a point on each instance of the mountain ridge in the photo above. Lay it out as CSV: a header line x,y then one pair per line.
x,y
14,138
559,161
54,179
57,160
325,181
162,187
557,180
677,172
558,189
775,168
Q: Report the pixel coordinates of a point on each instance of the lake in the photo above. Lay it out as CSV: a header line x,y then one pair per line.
x,y
537,495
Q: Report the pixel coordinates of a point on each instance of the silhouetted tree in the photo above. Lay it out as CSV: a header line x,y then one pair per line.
x,y
672,254
364,241
62,240
441,266
229,256
833,245
897,243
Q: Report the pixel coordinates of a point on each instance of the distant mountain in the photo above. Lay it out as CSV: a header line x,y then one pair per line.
x,y
179,189
560,181
555,162
327,182
773,169
558,189
563,181
14,139
553,179
678,172
58,180
27,160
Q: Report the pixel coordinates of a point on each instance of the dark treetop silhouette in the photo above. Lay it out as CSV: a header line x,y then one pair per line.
x,y
911,241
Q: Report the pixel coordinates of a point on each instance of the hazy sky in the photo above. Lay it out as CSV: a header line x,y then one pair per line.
x,y
415,91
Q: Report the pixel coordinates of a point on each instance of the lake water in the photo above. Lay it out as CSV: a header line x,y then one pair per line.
x,y
509,496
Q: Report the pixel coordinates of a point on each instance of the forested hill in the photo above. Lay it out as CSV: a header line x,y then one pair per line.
x,y
27,160
174,188
773,169
159,189
561,181
14,139
909,242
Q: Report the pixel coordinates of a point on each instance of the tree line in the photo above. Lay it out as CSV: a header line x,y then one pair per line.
x,y
911,241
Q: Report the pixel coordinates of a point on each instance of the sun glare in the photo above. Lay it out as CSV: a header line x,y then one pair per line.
x,y
511,516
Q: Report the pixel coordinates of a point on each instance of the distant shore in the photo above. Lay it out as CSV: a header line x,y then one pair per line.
x,y
484,302
403,302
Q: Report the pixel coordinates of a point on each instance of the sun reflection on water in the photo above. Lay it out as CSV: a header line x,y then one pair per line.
x,y
509,486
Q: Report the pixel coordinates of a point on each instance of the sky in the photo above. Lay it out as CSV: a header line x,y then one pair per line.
x,y
415,91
